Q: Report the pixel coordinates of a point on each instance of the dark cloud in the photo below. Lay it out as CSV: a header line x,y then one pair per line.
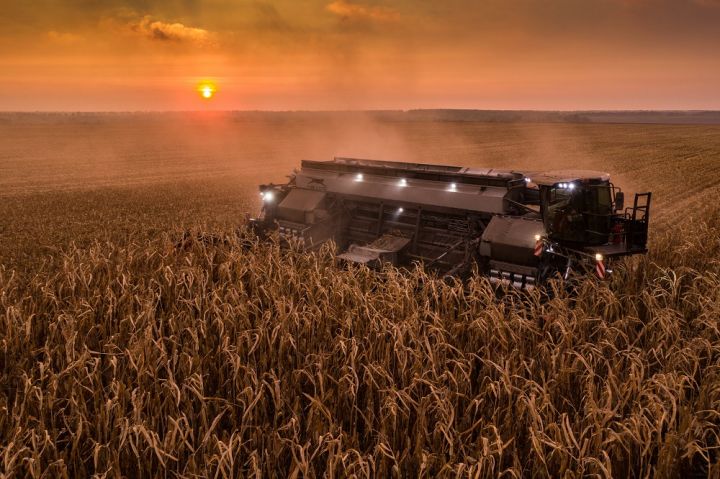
x,y
268,17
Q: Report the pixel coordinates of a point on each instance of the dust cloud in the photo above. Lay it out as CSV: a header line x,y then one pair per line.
x,y
40,153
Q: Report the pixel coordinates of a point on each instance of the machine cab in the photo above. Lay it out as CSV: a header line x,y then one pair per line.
x,y
578,207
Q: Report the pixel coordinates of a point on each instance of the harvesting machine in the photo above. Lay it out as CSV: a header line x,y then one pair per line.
x,y
519,228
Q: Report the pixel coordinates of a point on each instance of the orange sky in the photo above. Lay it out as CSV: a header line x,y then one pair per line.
x,y
101,55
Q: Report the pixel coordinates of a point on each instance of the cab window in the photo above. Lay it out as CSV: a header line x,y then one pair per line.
x,y
601,202
560,197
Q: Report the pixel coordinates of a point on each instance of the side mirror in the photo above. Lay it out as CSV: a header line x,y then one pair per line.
x,y
619,201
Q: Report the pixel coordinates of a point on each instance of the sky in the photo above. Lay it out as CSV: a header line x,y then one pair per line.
x,y
130,55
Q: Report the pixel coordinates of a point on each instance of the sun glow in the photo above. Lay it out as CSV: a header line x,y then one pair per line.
x,y
207,90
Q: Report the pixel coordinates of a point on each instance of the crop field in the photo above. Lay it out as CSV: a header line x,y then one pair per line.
x,y
122,355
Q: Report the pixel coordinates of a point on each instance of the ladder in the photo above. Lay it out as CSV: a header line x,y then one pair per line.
x,y
641,207
637,222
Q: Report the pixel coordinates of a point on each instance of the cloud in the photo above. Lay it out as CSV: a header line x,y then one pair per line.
x,y
65,38
358,11
172,32
707,3
674,3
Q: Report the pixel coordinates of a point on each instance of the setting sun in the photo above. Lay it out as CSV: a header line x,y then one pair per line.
x,y
207,90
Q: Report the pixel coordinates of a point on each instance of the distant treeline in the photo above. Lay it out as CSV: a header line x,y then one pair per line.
x,y
694,117
510,116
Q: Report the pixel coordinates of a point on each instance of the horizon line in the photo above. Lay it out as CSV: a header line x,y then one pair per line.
x,y
368,110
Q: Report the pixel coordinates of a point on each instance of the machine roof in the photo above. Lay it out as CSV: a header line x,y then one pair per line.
x,y
567,176
395,165
448,173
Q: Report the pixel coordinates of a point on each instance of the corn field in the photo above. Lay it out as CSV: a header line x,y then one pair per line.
x,y
225,361
122,355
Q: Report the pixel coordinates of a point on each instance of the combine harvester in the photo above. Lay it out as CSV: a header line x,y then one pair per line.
x,y
518,228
